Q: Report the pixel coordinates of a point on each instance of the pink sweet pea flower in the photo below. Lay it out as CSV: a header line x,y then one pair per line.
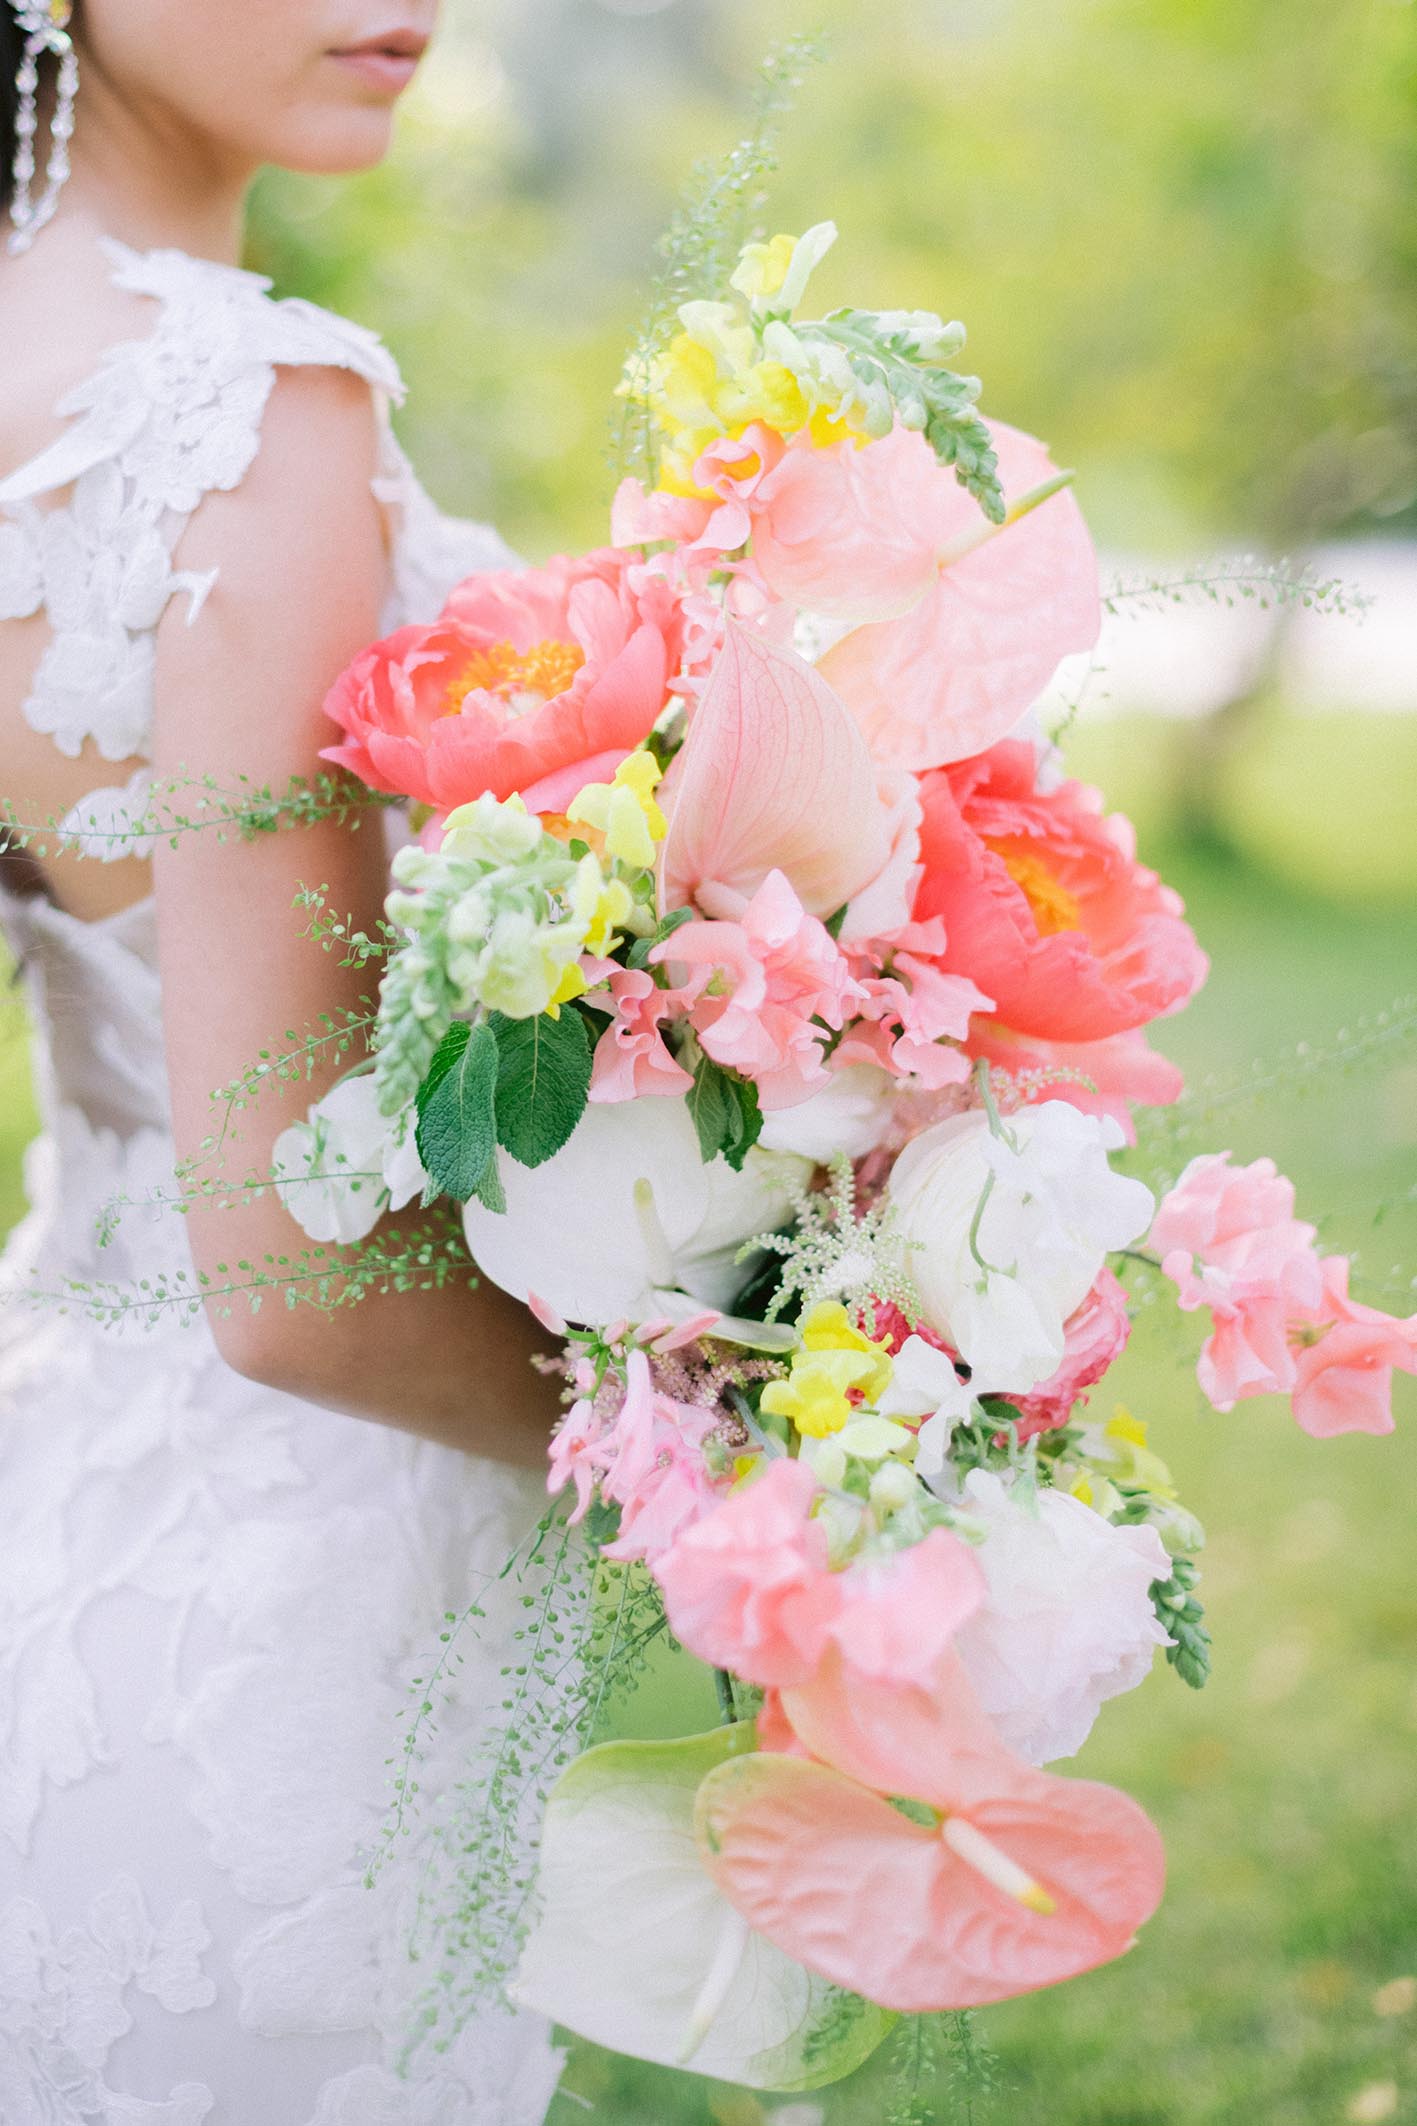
x,y
1096,1334
1344,1360
959,668
913,1021
1024,1880
1229,1241
536,682
1043,901
773,776
749,1589
760,992
631,1060
856,533
744,1590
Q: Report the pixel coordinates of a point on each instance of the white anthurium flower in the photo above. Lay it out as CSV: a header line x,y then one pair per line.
x,y
627,1211
346,1164
850,1114
634,1947
1002,1235
924,1383
1068,1620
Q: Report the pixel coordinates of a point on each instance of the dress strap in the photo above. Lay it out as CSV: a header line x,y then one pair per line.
x,y
162,422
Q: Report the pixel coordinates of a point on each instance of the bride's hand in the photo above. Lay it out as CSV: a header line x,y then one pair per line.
x,y
303,567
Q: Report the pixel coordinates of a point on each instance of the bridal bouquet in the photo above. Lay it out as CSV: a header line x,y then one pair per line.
x,y
775,1008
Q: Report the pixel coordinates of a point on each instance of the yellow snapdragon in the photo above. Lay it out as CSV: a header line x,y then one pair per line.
x,y
625,811
835,1360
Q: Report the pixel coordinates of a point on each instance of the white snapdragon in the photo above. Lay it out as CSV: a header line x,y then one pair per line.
x,y
496,917
346,1164
828,381
1003,1234
1068,1620
626,1208
924,1383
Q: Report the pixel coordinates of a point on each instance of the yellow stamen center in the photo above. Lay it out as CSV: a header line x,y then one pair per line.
x,y
1054,908
524,678
988,1860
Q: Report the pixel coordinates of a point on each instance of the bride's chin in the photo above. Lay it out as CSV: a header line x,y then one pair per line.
x,y
338,143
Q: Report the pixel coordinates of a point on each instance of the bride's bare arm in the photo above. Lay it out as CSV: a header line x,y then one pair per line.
x,y
302,573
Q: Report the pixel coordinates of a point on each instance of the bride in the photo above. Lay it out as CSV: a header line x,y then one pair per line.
x,y
216,1582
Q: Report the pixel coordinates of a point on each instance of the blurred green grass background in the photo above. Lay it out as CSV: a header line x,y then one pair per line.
x,y
1183,242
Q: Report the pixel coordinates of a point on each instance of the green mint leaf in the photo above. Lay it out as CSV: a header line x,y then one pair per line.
x,y
457,1132
448,1052
726,1113
543,1078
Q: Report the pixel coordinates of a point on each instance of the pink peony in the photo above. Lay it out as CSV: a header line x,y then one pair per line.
x,y
631,1060
1018,1879
761,992
1096,1335
1044,903
536,682
1344,1360
956,671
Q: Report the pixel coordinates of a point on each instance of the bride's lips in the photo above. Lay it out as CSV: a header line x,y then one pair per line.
x,y
386,62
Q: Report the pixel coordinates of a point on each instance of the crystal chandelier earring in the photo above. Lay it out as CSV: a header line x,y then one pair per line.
x,y
44,25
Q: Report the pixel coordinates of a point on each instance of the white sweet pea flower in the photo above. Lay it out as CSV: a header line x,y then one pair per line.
x,y
1003,1235
851,1114
925,1384
346,1164
625,1208
1068,1620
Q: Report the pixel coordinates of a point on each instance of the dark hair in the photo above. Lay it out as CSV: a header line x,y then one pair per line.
x,y
11,46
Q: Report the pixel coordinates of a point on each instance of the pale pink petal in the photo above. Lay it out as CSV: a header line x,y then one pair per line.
x,y
959,669
773,776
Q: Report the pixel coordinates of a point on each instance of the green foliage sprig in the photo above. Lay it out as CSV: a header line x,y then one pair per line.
x,y
909,373
1242,580
1179,1609
707,230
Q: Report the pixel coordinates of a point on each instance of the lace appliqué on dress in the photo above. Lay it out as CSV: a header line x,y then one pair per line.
x,y
64,2004
162,422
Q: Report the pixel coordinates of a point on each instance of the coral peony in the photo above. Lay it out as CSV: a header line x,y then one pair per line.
x,y
1017,1879
1045,904
1003,607
536,682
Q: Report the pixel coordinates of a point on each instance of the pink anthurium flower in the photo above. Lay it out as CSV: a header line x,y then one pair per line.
x,y
1004,606
1020,1880
773,776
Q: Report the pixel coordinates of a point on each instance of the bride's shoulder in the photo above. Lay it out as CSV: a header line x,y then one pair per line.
x,y
158,358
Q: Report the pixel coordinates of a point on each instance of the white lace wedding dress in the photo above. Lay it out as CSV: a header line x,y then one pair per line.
x,y
212,1597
